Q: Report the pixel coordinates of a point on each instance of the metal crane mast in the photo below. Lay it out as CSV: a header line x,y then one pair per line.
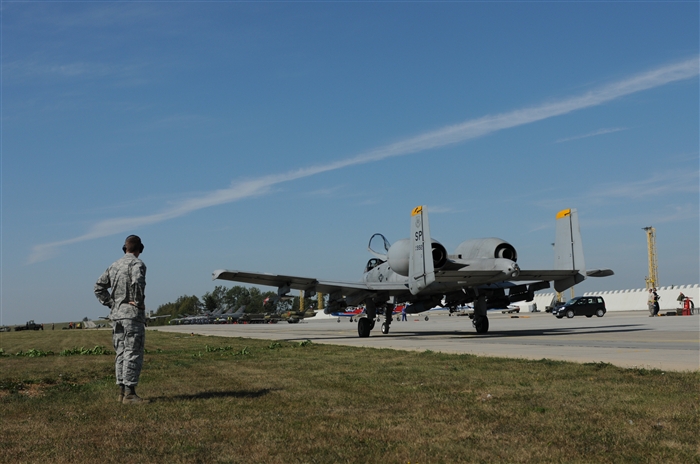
x,y
653,279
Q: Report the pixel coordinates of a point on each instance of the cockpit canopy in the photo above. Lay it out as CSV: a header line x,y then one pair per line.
x,y
379,246
372,263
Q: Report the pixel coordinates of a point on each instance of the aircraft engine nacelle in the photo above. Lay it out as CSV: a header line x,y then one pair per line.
x,y
486,248
399,253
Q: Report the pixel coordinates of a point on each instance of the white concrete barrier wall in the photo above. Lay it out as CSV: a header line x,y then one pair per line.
x,y
631,300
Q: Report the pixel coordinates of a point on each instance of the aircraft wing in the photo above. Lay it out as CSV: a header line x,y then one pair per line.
x,y
270,280
547,275
307,283
559,274
599,272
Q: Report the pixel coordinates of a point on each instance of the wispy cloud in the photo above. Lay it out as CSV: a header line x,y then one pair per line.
x,y
659,183
591,134
34,68
661,215
99,16
449,135
179,120
437,209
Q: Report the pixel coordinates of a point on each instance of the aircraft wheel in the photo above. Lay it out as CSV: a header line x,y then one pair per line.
x,y
363,327
570,313
426,318
560,317
385,329
351,320
338,319
481,324
600,312
589,315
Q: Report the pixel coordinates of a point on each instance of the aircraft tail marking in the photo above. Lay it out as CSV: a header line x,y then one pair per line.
x,y
420,265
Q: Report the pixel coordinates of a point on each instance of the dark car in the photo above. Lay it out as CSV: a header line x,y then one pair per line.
x,y
581,306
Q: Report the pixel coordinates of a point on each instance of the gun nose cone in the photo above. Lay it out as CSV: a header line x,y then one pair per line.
x,y
516,271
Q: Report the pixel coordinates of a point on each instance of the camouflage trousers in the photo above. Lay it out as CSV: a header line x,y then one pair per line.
x,y
128,337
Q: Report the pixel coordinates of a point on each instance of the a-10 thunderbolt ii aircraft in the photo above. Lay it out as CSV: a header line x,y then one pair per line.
x,y
418,270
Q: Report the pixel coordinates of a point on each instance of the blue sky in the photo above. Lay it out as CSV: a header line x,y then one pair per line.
x,y
278,137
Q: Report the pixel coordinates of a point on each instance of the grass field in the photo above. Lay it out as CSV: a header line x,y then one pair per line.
x,y
241,400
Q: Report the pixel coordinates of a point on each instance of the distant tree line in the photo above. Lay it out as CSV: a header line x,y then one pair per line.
x,y
223,299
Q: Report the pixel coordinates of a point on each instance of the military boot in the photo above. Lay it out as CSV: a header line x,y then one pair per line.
x,y
120,398
132,398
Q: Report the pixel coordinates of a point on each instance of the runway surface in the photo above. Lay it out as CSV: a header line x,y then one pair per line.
x,y
626,339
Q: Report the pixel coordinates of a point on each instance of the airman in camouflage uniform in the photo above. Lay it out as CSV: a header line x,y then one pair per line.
x,y
127,279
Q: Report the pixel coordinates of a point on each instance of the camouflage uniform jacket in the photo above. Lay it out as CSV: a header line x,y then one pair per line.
x,y
127,279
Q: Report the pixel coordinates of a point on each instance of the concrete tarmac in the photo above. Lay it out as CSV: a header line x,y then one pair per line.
x,y
626,339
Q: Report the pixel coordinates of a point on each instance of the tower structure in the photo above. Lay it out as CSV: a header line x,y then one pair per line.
x,y
652,279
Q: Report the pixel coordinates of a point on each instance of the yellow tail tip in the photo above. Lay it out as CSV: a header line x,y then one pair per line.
x,y
564,213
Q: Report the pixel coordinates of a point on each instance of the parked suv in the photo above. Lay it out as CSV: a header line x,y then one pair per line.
x,y
581,306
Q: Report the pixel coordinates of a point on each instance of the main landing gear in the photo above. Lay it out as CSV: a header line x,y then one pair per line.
x,y
366,324
481,324
480,319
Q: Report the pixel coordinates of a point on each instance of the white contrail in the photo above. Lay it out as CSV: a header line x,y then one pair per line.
x,y
591,134
429,140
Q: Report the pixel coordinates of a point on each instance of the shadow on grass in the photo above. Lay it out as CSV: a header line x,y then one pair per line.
x,y
213,394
